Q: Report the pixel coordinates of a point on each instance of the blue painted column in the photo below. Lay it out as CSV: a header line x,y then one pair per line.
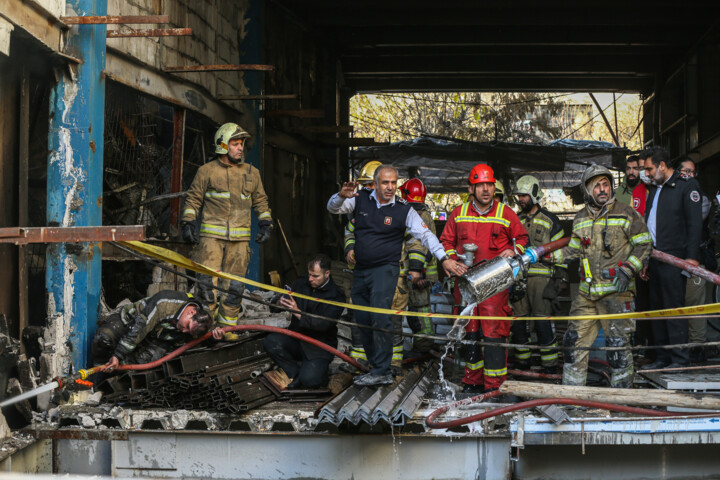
x,y
74,190
252,51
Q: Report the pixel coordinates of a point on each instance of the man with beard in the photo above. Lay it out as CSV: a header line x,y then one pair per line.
x,y
624,193
497,231
612,243
543,282
674,219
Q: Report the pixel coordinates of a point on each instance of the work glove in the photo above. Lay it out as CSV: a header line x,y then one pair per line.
x,y
622,281
188,232
266,228
422,283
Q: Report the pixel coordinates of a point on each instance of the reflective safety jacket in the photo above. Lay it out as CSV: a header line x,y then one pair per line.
x,y
153,318
542,227
225,193
611,239
418,258
493,232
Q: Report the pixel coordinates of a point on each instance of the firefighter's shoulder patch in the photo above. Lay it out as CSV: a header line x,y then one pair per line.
x,y
695,196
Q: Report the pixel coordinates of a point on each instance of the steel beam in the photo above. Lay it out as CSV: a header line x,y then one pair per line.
x,y
297,113
74,191
114,19
25,235
218,68
153,32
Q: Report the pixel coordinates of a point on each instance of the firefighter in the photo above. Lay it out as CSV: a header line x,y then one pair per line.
x,y
418,260
367,181
225,189
497,231
146,330
544,283
612,243
499,192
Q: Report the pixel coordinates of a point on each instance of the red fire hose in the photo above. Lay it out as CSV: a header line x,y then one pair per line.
x,y
687,266
236,328
432,423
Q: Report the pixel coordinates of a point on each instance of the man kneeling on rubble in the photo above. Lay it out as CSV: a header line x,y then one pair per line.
x,y
146,330
307,364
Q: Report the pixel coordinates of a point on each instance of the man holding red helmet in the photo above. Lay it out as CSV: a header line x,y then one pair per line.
x,y
497,231
421,265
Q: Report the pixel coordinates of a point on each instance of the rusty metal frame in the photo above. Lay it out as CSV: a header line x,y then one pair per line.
x,y
115,19
298,113
152,32
25,235
218,68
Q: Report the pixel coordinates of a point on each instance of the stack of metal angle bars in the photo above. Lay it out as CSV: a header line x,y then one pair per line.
x,y
226,378
392,404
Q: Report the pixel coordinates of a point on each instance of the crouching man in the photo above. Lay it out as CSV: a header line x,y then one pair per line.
x,y
307,364
148,329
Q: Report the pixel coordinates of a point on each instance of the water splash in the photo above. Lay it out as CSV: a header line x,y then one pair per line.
x,y
457,332
32,393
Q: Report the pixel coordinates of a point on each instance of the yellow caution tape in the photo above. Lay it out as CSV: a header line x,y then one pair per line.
x,y
176,259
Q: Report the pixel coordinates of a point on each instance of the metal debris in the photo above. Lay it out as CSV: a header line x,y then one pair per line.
x,y
393,404
225,379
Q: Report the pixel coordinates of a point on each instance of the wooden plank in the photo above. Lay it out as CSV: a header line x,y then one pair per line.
x,y
23,216
115,19
218,68
618,396
153,32
325,129
299,113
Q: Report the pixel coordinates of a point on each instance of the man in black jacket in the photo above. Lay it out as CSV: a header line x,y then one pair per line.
x,y
307,364
674,219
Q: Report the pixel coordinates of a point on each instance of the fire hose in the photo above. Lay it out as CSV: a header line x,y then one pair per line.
x,y
431,420
83,374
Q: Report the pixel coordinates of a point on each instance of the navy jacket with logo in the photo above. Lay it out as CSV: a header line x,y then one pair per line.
x,y
679,216
379,232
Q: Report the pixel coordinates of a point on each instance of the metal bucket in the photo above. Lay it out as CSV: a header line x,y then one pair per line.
x,y
486,280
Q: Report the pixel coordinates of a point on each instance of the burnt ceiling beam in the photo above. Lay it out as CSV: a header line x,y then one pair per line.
x,y
501,84
528,64
537,15
512,50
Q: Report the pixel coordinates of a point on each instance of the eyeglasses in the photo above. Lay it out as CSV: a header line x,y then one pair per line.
x,y
687,171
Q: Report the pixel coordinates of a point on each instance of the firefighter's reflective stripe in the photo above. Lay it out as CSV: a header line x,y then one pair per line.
x,y
522,353
539,270
475,366
601,288
635,262
574,243
217,195
549,354
239,232
500,372
349,241
451,252
264,216
497,218
558,235
214,229
226,320
397,352
358,353
641,239
540,221
417,256
189,211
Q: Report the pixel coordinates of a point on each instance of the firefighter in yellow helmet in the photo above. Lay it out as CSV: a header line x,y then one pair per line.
x,y
225,190
544,283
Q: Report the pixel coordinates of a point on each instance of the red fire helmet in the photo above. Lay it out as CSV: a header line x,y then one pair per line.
x,y
414,190
481,173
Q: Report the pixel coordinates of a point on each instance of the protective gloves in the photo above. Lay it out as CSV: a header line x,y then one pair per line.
x,y
622,281
266,228
188,232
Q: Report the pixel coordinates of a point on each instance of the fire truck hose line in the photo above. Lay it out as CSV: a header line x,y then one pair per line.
x,y
236,328
432,337
176,259
432,422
